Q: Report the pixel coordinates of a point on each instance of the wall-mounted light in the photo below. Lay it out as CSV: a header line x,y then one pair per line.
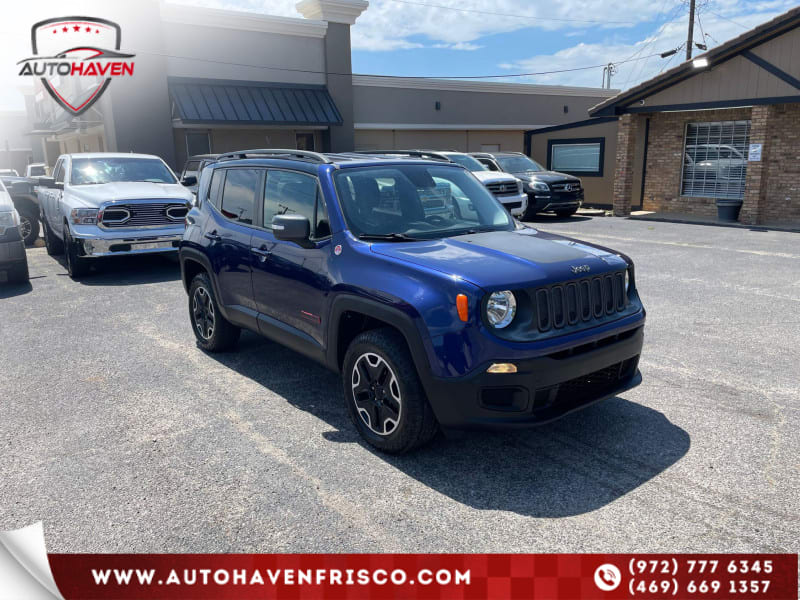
x,y
438,105
700,63
566,109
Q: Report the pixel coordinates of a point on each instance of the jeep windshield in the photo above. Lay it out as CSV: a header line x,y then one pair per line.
x,y
108,169
408,202
518,164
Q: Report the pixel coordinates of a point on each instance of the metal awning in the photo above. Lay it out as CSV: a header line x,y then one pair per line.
x,y
214,102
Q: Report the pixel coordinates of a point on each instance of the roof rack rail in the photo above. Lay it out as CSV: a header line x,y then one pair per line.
x,y
416,153
276,153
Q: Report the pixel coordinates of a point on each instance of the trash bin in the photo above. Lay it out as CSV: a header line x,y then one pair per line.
x,y
728,210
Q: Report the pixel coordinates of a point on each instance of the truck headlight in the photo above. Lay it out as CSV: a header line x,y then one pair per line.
x,y
540,186
8,219
83,216
519,186
501,308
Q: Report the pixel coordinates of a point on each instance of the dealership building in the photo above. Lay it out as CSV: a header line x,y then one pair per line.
x,y
723,128
210,80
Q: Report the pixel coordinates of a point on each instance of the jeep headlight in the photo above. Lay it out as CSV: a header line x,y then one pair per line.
x,y
501,308
8,219
83,216
540,186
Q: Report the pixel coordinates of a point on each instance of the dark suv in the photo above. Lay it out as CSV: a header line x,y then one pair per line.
x,y
548,191
455,318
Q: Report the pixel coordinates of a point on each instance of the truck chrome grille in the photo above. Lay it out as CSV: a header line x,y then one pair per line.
x,y
583,300
151,214
502,188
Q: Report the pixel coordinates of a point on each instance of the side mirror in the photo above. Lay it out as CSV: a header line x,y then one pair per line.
x,y
49,182
291,228
189,180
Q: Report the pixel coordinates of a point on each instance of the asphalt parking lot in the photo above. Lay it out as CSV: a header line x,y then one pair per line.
x,y
122,436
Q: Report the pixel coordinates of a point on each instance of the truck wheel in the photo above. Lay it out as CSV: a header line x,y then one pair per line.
x,y
53,245
214,332
566,213
384,394
28,227
77,265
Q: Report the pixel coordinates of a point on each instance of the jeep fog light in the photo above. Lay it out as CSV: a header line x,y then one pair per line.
x,y
502,368
501,308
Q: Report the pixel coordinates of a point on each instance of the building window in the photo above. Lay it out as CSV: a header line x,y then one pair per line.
x,y
581,156
198,143
715,159
305,141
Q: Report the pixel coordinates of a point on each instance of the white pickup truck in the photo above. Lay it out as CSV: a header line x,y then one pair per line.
x,y
106,204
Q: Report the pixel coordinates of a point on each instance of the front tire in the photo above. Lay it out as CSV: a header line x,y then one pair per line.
x,y
53,245
214,332
77,265
384,395
29,227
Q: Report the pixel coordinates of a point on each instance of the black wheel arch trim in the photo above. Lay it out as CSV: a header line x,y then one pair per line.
x,y
390,315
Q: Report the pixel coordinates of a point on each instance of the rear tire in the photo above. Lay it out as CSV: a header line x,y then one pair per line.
x,y
384,394
77,265
214,332
29,226
53,245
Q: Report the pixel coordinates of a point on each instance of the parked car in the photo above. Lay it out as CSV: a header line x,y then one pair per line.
x,y
191,170
506,188
457,319
9,173
714,161
106,204
23,195
13,259
36,170
548,191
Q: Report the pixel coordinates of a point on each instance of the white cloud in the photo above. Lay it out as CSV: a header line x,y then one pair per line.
x,y
640,69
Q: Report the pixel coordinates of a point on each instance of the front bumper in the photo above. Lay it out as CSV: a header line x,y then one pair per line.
x,y
98,242
552,202
543,389
127,246
516,204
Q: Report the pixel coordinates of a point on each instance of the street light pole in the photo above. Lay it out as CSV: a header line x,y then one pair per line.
x,y
690,38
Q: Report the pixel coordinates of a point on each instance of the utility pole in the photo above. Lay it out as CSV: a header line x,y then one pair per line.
x,y
690,38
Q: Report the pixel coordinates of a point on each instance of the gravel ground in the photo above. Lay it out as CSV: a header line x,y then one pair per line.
x,y
122,436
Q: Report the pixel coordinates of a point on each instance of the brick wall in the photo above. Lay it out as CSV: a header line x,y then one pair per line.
x,y
629,128
781,202
665,161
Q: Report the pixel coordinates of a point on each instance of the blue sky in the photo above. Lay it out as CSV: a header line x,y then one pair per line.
x,y
465,38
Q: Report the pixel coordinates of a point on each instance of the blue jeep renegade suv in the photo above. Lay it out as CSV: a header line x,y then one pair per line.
x,y
409,278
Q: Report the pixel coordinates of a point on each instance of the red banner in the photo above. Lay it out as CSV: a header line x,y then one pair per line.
x,y
427,576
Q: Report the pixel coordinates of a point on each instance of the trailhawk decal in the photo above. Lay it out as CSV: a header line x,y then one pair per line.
x,y
75,59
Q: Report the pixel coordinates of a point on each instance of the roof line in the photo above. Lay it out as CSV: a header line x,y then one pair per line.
x,y
758,35
585,122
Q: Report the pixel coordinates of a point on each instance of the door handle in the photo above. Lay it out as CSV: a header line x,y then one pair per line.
x,y
213,236
262,253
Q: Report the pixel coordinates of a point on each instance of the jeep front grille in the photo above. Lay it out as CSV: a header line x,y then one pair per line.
x,y
583,300
503,188
153,214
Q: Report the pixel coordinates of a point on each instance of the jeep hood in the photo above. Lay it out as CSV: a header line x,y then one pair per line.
x,y
95,195
506,259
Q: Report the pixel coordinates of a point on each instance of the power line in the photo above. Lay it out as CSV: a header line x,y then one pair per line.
x,y
716,14
456,77
652,39
496,14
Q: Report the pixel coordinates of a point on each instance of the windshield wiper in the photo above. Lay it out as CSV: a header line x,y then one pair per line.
x,y
388,237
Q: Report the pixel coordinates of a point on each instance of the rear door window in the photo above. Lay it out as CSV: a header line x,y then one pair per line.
x,y
239,195
289,193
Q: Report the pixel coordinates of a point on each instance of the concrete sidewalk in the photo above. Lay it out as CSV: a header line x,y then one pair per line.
x,y
670,217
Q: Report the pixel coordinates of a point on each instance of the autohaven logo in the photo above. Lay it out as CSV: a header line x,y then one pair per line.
x,y
76,58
